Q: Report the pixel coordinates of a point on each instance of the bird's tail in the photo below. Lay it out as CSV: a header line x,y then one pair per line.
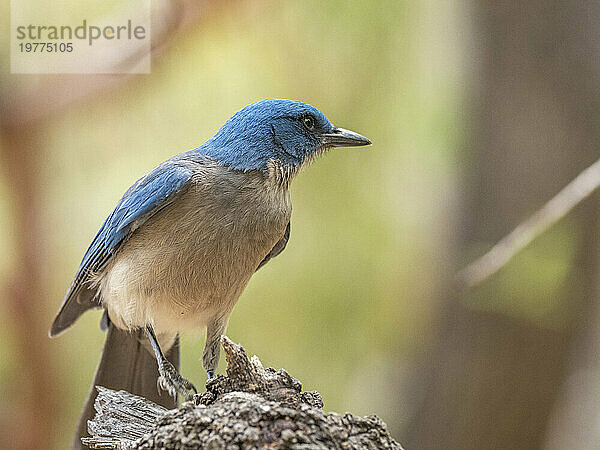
x,y
126,364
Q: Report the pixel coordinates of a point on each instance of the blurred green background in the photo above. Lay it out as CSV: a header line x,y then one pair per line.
x,y
360,306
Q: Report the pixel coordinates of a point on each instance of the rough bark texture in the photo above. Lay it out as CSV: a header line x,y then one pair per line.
x,y
251,407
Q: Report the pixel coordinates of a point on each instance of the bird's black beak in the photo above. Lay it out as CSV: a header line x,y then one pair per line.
x,y
340,137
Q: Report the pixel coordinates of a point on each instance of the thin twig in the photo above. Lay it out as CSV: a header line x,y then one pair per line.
x,y
582,186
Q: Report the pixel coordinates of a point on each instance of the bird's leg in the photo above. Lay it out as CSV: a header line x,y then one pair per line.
x,y
169,378
212,348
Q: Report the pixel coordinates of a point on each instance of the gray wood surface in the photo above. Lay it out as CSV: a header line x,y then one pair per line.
x,y
251,407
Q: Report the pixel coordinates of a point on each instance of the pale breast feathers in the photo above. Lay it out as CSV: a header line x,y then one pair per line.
x,y
192,259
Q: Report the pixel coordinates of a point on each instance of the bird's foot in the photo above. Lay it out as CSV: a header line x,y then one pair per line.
x,y
171,381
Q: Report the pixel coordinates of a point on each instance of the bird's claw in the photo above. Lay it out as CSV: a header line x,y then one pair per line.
x,y
171,381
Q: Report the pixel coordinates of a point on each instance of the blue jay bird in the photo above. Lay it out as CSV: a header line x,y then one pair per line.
x,y
182,243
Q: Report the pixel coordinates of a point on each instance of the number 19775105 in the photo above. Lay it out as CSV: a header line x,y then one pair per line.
x,y
48,47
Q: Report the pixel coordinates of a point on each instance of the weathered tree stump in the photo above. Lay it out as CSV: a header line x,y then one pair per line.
x,y
251,407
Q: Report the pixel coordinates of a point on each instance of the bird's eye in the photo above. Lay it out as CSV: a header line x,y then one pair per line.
x,y
309,122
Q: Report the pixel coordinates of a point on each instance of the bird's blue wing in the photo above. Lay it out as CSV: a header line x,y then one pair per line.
x,y
145,198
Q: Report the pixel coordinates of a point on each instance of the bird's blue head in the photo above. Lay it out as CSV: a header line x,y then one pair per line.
x,y
287,132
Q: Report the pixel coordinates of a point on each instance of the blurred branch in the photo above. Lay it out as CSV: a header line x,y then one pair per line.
x,y
573,193
22,293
